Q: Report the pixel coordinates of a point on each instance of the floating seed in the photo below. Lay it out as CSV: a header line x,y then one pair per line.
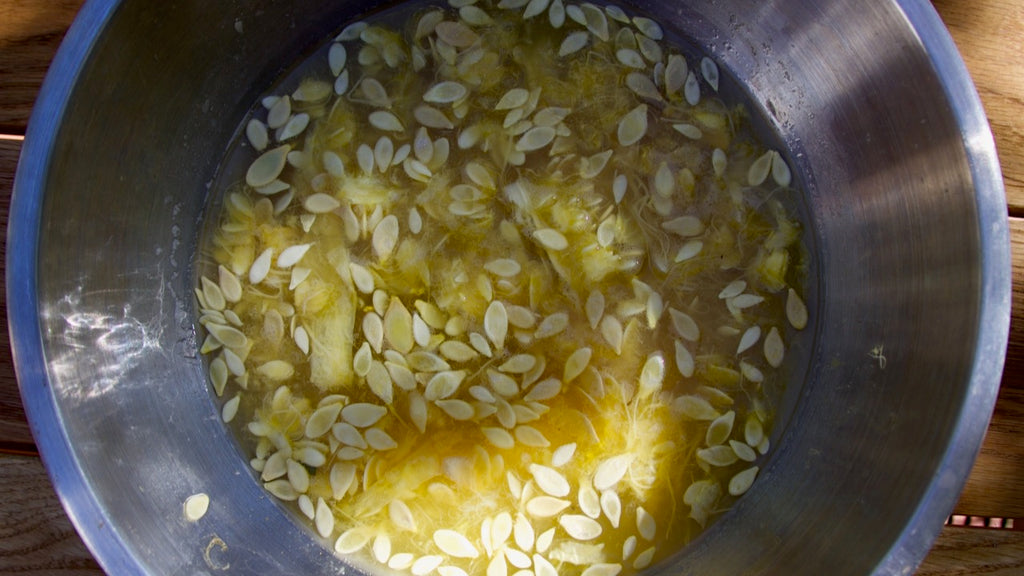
x,y
774,349
796,310
611,505
742,481
267,167
574,42
709,70
454,544
633,126
363,415
759,170
445,92
580,527
530,436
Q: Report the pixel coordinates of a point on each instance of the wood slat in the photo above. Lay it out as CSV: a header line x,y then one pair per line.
x,y
990,37
995,487
30,32
975,551
36,536
14,432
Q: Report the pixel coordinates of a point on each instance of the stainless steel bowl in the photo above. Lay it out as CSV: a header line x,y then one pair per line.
x,y
908,224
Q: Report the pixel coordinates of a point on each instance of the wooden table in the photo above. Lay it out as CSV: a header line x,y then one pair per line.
x,y
36,536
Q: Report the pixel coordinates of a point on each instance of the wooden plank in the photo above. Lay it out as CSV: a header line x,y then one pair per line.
x,y
973,551
30,32
36,536
995,487
990,37
14,432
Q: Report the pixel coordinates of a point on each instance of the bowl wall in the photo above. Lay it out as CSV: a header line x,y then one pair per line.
x,y
907,223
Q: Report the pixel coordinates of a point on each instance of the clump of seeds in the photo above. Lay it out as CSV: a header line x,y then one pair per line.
x,y
505,288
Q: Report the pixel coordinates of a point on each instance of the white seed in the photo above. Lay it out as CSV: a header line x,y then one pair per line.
x,y
749,338
745,301
580,527
690,131
543,567
530,436
382,548
504,267
323,518
689,250
648,27
295,126
497,566
517,558
645,524
576,363
298,477
267,167
401,561
574,42
759,170
743,451
718,161
589,501
363,415
562,454
742,481
454,544
425,565
709,70
774,349
456,409
502,384
385,237
364,157
451,571
544,390
556,14
594,308
611,505
456,34
386,121
341,83
551,239
596,22
691,90
630,58
320,203
780,170
641,84
362,278
643,559
445,92
290,256
373,331
550,480
684,325
480,344
380,440
751,372
352,540
279,113
518,364
633,126
685,226
321,420
523,534
496,323
443,384
426,361
256,133
717,456
336,58
514,98
720,429
675,74
552,325
611,470
475,16
379,382
612,332
348,435
196,506
796,310
602,569
546,506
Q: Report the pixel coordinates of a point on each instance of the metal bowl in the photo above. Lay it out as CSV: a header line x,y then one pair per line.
x,y
908,225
